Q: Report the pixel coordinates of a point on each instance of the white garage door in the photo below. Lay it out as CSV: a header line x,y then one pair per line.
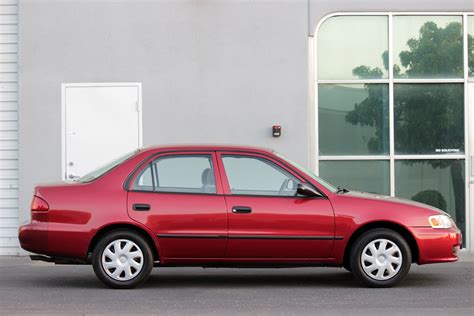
x,y
8,128
101,123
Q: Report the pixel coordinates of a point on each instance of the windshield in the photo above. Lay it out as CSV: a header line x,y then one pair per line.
x,y
91,176
321,181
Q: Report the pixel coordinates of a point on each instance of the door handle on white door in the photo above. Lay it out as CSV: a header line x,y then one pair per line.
x,y
73,177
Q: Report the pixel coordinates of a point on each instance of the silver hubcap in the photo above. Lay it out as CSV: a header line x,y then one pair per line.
x,y
381,259
122,260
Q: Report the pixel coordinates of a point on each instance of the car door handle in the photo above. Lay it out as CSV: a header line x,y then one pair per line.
x,y
141,207
241,209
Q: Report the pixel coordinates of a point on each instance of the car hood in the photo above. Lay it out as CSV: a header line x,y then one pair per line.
x,y
380,197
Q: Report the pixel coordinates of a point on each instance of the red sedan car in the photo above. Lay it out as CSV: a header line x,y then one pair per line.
x,y
229,206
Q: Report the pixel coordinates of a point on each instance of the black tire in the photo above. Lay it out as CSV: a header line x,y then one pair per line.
x,y
372,236
147,257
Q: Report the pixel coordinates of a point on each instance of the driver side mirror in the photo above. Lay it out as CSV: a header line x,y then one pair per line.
x,y
307,190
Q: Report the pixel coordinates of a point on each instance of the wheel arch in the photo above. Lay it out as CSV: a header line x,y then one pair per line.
x,y
402,230
124,226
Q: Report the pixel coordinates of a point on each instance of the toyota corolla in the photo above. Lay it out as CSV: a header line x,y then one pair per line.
x,y
229,206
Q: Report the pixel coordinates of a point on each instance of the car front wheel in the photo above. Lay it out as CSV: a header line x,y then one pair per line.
x,y
122,260
380,258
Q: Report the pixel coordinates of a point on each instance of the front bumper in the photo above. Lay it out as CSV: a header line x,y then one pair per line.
x,y
437,245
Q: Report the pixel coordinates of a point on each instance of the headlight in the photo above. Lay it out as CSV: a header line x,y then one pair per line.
x,y
440,221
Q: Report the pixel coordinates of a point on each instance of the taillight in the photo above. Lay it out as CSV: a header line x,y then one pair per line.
x,y
39,205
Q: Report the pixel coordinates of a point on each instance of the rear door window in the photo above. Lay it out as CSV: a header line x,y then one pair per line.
x,y
178,173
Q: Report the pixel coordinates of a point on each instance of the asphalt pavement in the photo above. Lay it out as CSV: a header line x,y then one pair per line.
x,y
28,287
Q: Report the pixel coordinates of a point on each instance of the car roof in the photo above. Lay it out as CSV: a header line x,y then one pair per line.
x,y
204,147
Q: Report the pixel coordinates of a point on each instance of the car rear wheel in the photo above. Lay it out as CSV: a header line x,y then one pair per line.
x,y
122,259
380,258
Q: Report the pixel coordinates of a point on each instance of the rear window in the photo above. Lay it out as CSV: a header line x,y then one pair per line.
x,y
91,176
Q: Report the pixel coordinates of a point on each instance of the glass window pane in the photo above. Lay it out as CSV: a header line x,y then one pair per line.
x,y
429,118
428,47
91,176
144,181
187,174
439,183
257,176
470,43
368,175
353,119
350,47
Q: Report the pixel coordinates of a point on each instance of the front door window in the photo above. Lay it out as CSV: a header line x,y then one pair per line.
x,y
258,176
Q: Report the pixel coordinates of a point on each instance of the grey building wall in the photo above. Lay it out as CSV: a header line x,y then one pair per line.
x,y
212,71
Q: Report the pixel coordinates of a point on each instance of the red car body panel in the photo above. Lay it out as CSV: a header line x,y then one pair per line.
x,y
201,229
174,216
355,210
184,215
307,223
280,227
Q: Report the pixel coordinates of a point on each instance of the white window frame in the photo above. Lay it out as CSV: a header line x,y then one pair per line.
x,y
64,86
313,105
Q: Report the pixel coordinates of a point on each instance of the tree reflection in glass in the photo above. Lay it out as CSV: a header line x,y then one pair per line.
x,y
340,105
428,47
429,118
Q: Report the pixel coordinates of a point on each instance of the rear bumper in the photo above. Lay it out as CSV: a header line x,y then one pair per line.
x,y
57,240
34,238
437,245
